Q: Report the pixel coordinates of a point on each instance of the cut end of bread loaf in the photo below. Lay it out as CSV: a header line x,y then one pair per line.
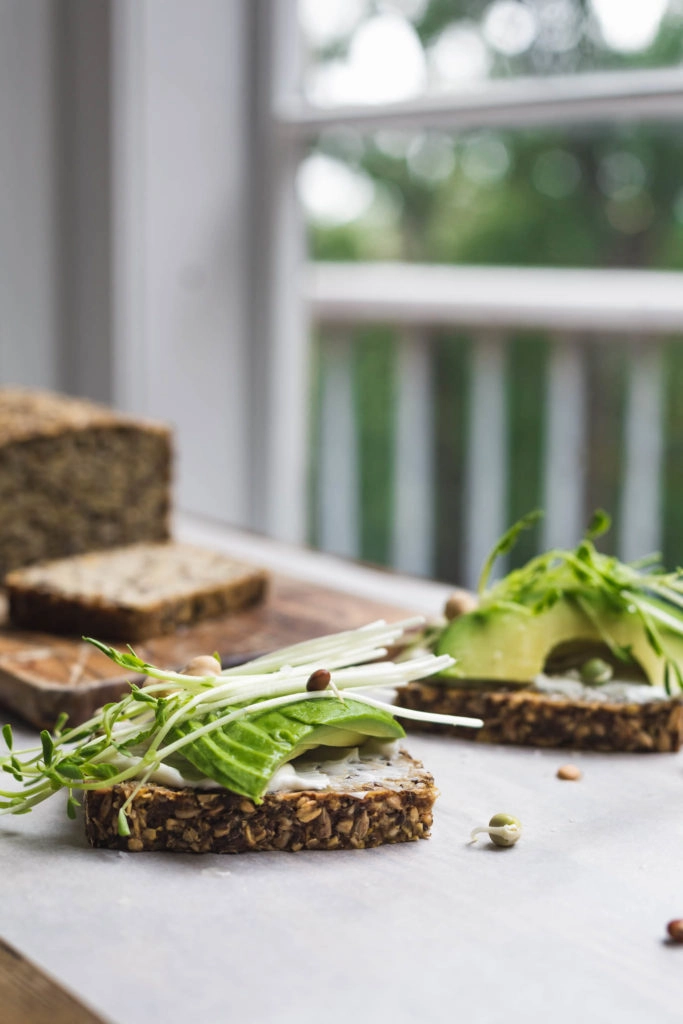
x,y
525,718
131,593
76,476
396,807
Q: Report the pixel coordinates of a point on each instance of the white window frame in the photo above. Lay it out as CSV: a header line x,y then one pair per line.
x,y
96,320
640,305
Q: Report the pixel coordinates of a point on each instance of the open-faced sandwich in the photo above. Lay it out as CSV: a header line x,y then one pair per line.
x,y
286,752
575,649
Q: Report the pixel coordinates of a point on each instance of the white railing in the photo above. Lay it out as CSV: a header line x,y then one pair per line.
x,y
609,301
507,103
416,300
618,307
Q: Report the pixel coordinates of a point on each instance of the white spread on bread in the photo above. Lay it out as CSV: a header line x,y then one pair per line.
x,y
351,768
355,767
617,691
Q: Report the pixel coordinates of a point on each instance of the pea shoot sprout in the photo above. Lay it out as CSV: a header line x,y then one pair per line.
x,y
502,830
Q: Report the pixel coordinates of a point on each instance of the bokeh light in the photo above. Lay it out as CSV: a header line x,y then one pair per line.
x,y
324,23
431,157
629,25
485,158
560,25
509,26
385,63
459,56
331,192
621,175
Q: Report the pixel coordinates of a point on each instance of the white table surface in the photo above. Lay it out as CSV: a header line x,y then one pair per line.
x,y
568,925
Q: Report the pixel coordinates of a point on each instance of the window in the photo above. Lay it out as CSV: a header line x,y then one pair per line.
x,y
453,394
485,316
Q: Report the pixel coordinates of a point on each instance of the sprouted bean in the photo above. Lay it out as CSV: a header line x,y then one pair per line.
x,y
502,830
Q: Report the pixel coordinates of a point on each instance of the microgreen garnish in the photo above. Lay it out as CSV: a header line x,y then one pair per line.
x,y
506,544
204,724
48,747
600,523
601,586
62,719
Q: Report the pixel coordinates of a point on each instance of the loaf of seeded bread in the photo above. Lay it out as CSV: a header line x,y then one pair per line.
x,y
131,593
75,476
395,807
525,718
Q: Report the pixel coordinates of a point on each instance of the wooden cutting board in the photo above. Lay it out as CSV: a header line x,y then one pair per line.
x,y
43,675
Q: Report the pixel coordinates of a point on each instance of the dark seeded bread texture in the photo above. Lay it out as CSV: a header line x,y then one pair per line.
x,y
75,476
131,593
525,718
396,808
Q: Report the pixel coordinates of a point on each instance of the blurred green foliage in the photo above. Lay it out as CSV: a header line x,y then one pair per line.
x,y
608,195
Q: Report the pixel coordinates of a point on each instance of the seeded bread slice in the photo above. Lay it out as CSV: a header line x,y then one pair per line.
x,y
131,593
76,476
395,807
525,718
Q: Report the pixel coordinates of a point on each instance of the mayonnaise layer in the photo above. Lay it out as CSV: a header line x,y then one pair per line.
x,y
353,768
617,691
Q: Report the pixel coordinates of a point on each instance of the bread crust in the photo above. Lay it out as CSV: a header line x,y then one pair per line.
x,y
218,821
525,718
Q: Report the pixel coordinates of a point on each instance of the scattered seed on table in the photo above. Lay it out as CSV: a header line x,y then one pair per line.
x,y
569,772
675,930
502,830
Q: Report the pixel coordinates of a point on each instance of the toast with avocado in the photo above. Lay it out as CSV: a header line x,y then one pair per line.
x,y
574,649
355,799
289,751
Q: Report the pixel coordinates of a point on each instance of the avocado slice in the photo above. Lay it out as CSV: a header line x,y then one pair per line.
x,y
513,644
245,754
564,607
